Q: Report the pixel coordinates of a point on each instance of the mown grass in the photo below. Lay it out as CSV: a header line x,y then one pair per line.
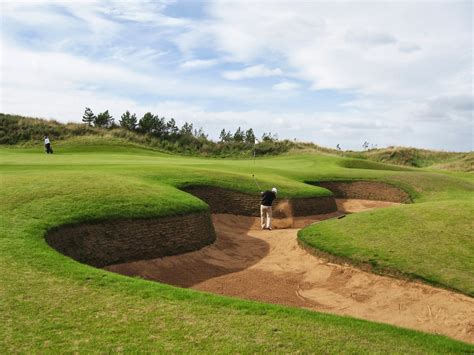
x,y
49,303
77,309
431,241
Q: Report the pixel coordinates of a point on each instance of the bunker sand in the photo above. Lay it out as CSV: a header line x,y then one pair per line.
x,y
270,266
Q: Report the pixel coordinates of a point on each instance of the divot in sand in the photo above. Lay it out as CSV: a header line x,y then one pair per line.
x,y
270,266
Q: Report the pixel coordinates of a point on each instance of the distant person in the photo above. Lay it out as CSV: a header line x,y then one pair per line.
x,y
338,147
47,145
266,207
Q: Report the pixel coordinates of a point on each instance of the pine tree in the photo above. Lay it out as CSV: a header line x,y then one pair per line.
x,y
200,134
103,119
224,137
147,123
229,137
112,124
88,117
268,137
128,121
186,129
239,135
171,128
250,136
159,127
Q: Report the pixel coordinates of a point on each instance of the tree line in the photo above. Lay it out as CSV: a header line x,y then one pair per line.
x,y
181,140
161,128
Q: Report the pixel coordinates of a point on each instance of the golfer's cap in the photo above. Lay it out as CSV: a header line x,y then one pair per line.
x,y
275,190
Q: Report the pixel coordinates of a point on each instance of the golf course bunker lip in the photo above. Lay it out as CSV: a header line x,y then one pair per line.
x,y
227,201
365,190
109,242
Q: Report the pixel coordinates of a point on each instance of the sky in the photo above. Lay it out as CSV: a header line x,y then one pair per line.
x,y
337,72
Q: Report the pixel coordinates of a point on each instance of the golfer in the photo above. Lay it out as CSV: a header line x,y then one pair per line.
x,y
47,145
266,208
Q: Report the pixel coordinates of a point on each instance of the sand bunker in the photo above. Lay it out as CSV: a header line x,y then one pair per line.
x,y
269,266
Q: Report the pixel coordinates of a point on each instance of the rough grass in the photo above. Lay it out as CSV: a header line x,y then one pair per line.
x,y
79,309
419,158
27,131
463,163
50,303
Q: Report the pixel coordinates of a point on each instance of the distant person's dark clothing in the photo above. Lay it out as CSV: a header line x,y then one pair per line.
x,y
267,198
47,146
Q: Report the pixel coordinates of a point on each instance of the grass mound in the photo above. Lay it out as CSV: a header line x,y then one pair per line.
x,y
30,132
50,303
371,165
428,241
420,158
463,163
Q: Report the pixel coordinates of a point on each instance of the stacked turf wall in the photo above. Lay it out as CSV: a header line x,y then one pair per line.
x,y
116,241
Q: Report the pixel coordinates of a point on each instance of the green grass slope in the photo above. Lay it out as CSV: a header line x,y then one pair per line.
x,y
385,240
50,303
420,158
28,131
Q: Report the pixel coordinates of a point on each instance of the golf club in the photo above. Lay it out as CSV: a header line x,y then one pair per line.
x,y
256,183
253,175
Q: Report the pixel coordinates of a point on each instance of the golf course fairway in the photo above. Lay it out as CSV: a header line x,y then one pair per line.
x,y
52,303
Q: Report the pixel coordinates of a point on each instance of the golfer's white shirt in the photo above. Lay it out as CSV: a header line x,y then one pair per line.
x,y
46,141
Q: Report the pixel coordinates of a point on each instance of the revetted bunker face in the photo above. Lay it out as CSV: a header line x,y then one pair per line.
x,y
366,190
226,201
117,241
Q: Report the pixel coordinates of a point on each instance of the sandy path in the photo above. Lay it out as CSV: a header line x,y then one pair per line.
x,y
269,266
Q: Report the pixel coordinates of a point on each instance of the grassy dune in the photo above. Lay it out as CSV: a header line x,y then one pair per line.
x,y
420,158
50,303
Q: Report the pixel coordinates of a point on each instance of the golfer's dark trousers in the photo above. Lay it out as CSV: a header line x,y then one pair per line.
x,y
48,148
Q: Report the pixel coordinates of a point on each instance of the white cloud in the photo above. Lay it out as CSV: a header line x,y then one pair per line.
x,y
409,47
255,71
332,46
286,86
370,38
52,72
408,65
198,63
141,56
149,11
78,23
